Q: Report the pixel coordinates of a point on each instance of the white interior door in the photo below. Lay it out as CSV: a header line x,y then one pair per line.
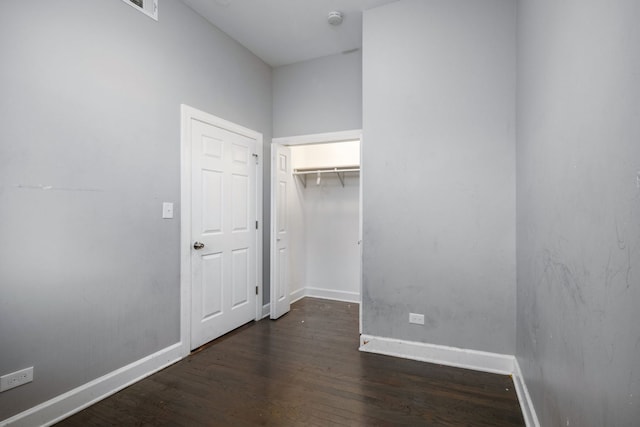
x,y
223,231
282,180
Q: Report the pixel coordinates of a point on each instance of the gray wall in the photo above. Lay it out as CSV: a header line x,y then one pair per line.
x,y
89,272
439,172
578,232
316,96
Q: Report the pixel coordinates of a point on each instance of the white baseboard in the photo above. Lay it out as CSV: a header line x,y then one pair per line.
x,y
297,295
526,404
496,363
330,294
266,310
443,355
67,404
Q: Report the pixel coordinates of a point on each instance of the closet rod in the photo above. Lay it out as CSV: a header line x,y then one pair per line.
x,y
325,170
302,173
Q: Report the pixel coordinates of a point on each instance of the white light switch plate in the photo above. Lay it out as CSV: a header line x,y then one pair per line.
x,y
167,210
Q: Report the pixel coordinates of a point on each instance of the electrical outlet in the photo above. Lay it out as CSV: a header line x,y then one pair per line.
x,y
16,379
418,319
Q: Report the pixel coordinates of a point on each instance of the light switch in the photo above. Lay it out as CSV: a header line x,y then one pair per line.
x,y
167,210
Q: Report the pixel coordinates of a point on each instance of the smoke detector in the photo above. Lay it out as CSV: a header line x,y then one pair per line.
x,y
335,18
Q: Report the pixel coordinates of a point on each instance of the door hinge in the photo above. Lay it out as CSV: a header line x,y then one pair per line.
x,y
256,225
257,157
256,290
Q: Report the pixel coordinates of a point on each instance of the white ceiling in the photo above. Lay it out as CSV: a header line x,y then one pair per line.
x,y
282,32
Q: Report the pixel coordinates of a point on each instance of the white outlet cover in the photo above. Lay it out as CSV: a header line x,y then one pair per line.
x,y
16,379
417,319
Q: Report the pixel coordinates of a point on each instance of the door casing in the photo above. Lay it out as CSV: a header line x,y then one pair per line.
x,y
187,114
317,138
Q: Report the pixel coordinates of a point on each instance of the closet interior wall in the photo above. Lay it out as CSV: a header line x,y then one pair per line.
x,y
324,223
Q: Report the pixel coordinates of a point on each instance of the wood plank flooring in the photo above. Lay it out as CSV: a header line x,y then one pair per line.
x,y
305,370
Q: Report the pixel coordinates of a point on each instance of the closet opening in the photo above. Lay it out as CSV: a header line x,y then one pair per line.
x,y
316,225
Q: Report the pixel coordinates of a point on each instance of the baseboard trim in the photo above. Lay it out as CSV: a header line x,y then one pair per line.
x,y
333,294
266,310
67,404
443,355
526,404
297,295
329,294
496,363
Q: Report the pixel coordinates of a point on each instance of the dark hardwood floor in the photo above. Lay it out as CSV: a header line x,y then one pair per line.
x,y
305,370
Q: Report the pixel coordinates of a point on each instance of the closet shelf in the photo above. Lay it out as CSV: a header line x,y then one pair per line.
x,y
339,171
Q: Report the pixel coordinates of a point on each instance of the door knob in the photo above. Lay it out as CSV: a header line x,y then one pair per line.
x,y
198,245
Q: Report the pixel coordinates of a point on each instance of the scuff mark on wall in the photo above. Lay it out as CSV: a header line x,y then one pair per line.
x,y
621,242
628,267
623,245
555,270
52,188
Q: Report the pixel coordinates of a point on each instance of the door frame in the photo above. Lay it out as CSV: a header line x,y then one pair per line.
x,y
316,138
187,114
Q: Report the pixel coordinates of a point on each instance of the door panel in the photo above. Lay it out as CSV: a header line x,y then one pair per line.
x,y
212,204
223,272
240,285
240,190
211,285
282,185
